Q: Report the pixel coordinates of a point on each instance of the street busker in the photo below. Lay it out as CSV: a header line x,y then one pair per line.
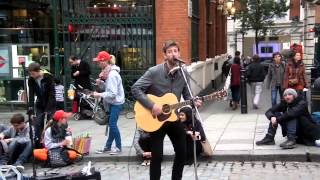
x,y
15,143
159,80
41,84
185,117
293,115
113,99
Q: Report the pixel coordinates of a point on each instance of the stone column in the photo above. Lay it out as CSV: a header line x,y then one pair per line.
x,y
308,39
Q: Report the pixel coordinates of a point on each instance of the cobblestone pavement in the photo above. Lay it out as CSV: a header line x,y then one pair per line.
x,y
208,171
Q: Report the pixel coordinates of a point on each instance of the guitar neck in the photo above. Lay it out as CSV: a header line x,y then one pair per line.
x,y
212,96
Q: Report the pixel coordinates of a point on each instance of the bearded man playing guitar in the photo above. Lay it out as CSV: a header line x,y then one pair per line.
x,y
158,81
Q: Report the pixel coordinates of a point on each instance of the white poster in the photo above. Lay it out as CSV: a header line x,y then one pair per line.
x,y
4,61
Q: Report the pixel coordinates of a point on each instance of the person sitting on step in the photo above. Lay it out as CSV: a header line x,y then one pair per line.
x,y
185,117
293,115
16,143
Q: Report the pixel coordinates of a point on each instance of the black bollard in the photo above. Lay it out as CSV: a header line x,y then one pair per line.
x,y
243,90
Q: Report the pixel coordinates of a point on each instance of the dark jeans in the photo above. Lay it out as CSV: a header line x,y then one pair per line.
x,y
39,124
274,94
177,135
18,152
235,91
145,145
290,127
190,151
114,133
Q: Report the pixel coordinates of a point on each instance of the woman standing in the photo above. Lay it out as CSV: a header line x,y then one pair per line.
x,y
295,75
235,82
275,77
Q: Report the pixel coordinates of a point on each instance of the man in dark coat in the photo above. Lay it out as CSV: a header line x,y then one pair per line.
x,y
41,84
293,115
80,72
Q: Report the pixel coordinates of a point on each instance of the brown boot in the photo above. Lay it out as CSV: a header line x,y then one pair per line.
x,y
234,106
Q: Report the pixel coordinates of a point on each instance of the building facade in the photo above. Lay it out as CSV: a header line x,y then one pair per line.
x,y
132,30
294,28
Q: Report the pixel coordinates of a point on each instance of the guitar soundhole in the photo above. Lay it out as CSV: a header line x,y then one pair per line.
x,y
166,109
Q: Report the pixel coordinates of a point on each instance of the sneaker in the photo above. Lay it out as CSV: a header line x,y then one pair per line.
x,y
317,142
115,151
148,162
144,163
19,166
267,140
101,151
255,106
288,144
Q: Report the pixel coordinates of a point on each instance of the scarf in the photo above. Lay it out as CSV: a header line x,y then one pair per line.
x,y
105,73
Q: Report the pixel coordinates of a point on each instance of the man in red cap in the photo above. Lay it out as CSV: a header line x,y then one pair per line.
x,y
113,99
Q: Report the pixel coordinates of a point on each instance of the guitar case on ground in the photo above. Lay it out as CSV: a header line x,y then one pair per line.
x,y
75,176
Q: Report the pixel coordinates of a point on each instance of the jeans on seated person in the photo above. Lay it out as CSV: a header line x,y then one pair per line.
x,y
289,126
19,152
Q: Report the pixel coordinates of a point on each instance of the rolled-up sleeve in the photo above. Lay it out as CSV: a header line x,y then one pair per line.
x,y
140,87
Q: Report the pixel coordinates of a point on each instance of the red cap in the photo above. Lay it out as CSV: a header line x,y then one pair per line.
x,y
102,56
58,115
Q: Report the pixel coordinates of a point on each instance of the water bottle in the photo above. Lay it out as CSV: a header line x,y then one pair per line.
x,y
69,138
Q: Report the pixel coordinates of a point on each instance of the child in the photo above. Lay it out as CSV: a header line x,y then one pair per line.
x,y
185,117
59,89
18,141
57,131
142,145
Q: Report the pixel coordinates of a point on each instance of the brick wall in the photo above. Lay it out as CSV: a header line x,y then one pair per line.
x,y
294,9
172,22
317,15
202,30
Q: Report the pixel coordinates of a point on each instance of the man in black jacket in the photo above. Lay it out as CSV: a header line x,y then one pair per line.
x,y
256,75
80,72
295,120
41,84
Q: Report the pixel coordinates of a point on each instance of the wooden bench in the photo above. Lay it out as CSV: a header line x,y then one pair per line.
x,y
13,103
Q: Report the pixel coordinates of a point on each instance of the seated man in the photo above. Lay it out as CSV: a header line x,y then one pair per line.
x,y
2,128
295,120
18,142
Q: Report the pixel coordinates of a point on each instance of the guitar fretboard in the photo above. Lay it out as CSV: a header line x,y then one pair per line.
x,y
216,95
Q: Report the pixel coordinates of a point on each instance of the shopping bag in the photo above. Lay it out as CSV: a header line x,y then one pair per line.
x,y
82,144
206,148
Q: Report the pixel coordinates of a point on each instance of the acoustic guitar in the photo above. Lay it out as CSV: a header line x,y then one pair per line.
x,y
169,102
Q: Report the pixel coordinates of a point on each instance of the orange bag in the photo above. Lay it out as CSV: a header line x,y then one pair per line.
x,y
72,155
41,154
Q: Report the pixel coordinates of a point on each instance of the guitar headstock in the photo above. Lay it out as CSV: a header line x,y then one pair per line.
x,y
216,95
220,94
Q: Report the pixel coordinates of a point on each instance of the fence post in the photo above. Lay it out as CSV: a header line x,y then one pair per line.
x,y
243,90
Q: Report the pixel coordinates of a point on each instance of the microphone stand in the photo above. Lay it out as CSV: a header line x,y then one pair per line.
x,y
29,120
194,111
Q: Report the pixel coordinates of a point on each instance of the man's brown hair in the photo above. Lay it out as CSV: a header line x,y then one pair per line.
x,y
169,44
34,67
17,119
255,58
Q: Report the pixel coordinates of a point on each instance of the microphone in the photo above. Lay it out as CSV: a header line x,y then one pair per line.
x,y
179,60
